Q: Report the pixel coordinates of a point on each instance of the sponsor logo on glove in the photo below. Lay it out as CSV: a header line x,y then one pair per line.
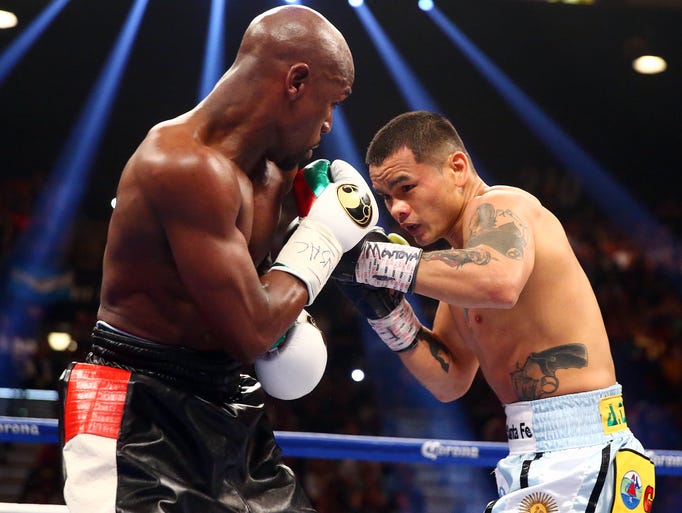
x,y
357,204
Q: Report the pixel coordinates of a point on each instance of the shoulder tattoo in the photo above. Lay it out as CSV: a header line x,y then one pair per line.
x,y
500,229
537,377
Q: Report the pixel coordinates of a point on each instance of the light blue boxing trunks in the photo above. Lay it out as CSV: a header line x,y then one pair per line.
x,y
573,454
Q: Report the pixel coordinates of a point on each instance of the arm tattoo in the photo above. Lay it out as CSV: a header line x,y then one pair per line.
x,y
537,376
436,349
500,229
458,257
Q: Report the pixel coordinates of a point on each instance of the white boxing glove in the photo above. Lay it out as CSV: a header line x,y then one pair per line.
x,y
338,209
295,366
347,205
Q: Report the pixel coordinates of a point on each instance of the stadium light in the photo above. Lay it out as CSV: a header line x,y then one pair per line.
x,y
425,5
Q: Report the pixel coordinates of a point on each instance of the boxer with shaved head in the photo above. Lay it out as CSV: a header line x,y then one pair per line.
x,y
159,417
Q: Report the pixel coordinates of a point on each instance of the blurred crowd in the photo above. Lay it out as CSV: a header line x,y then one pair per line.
x,y
638,285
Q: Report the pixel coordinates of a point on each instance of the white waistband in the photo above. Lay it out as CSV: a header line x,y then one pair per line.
x,y
108,327
566,421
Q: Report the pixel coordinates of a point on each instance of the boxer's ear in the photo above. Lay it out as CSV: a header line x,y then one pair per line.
x,y
296,80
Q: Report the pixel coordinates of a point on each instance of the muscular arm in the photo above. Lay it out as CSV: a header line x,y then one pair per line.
x,y
198,204
441,362
495,263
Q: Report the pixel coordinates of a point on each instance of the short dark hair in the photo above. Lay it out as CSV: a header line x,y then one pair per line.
x,y
430,137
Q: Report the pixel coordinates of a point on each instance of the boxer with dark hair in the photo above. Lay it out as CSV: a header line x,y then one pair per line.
x,y
515,303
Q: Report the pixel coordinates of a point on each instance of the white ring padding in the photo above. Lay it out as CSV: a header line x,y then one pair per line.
x,y
7,507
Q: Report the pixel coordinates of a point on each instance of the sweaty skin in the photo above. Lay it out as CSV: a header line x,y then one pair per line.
x,y
198,203
513,299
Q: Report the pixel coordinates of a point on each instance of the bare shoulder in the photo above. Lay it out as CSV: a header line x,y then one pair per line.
x,y
506,193
503,218
502,202
173,169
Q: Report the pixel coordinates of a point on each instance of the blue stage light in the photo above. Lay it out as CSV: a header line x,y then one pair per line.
x,y
608,193
39,252
14,52
413,91
214,61
425,5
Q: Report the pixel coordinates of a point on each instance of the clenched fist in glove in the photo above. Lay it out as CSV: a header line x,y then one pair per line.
x,y
337,210
296,363
386,310
381,260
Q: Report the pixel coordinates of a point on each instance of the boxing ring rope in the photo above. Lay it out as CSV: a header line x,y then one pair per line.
x,y
327,446
356,447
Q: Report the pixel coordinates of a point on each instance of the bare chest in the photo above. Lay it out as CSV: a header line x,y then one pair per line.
x,y
260,215
485,331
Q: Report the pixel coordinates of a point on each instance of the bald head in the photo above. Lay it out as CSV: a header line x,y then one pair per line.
x,y
295,33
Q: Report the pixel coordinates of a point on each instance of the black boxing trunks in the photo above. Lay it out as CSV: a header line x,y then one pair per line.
x,y
148,427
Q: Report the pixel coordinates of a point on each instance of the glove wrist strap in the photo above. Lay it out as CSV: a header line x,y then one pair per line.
x,y
384,264
398,330
310,254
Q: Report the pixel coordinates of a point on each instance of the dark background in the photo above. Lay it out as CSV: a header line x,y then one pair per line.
x,y
573,60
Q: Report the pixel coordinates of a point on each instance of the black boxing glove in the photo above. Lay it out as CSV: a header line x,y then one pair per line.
x,y
380,260
371,302
345,269
386,310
